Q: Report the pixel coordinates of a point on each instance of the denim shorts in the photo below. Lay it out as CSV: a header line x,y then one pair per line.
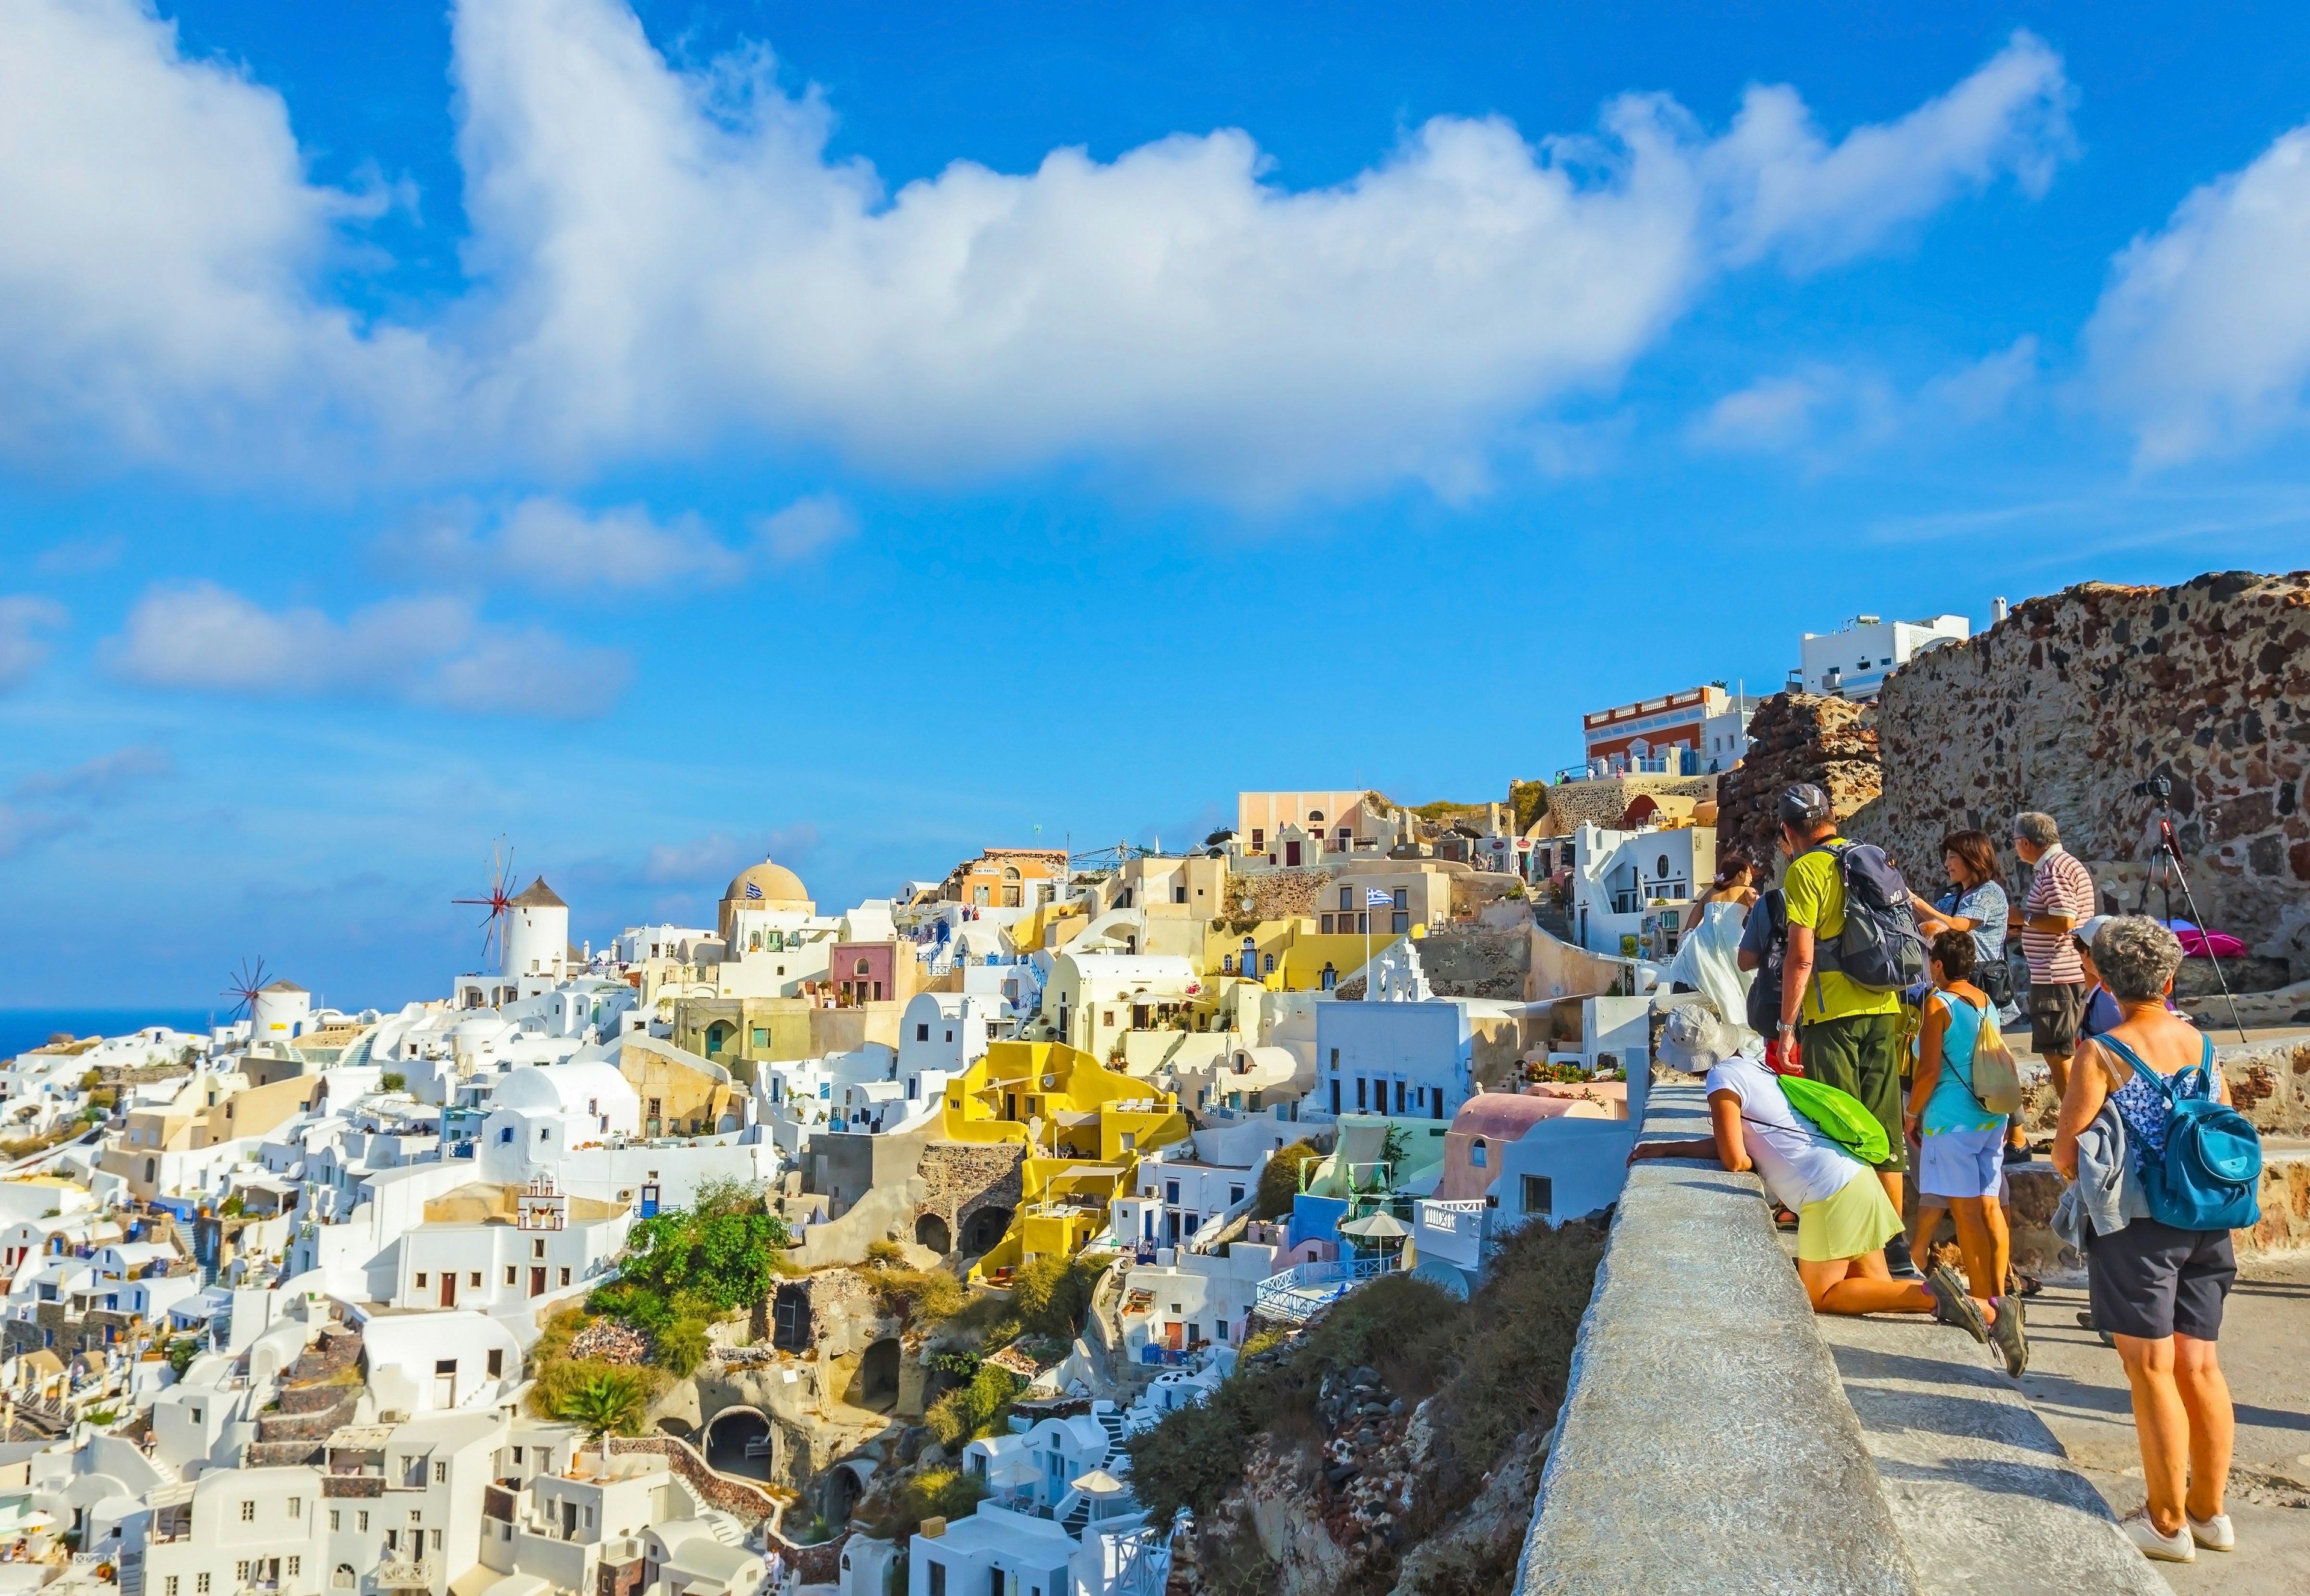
x,y
1962,1163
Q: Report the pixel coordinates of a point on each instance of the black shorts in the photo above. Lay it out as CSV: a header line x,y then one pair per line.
x,y
2055,1008
2153,1280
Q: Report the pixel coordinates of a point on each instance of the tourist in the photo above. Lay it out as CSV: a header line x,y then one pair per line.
x,y
1976,903
1844,1218
1848,1036
1960,1161
2158,1291
2061,898
1764,949
1708,954
1735,884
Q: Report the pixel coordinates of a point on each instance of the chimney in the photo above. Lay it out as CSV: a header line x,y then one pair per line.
x,y
1997,611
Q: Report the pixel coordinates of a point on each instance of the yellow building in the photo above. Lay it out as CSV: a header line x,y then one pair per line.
x,y
1084,1126
1288,955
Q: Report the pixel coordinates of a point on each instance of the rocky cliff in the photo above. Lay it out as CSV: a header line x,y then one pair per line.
x,y
1796,737
2075,698
1394,1445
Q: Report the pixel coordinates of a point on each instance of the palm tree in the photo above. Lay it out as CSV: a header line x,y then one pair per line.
x,y
611,1401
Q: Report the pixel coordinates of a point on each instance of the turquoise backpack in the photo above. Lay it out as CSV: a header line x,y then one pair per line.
x,y
2209,1176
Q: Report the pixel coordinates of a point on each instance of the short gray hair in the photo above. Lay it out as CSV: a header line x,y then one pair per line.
x,y
2037,829
2136,957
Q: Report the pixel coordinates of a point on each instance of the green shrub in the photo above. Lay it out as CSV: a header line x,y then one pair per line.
x,y
1278,1182
680,1347
392,1080
969,1411
938,1493
1052,1294
885,1254
921,1297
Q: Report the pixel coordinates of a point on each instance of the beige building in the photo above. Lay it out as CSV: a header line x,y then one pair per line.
x,y
1260,816
1007,879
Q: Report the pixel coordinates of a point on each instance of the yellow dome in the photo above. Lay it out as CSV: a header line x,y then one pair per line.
x,y
768,886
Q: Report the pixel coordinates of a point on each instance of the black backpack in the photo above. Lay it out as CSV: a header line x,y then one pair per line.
x,y
1880,946
1765,991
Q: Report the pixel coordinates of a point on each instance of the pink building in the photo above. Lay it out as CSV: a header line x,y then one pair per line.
x,y
1487,1125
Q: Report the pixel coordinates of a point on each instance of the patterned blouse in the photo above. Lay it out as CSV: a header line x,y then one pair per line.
x,y
2142,1106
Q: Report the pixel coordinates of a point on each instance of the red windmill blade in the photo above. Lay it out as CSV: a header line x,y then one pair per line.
x,y
500,897
248,981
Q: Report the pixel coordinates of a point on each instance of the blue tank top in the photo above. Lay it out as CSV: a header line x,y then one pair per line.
x,y
1953,1105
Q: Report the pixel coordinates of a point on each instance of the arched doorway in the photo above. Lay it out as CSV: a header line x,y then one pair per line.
x,y
982,1228
740,1441
930,1231
717,1037
842,1489
790,1318
877,1385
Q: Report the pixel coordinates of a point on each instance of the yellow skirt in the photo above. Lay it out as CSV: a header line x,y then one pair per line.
x,y
1856,1221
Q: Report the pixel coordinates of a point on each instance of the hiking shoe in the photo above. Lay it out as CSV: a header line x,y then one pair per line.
x,y
1897,1261
2019,1154
2009,1329
1951,1306
2176,1547
2214,1533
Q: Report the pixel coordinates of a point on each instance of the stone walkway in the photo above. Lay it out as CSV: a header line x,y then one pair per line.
x,y
2077,1384
1981,1491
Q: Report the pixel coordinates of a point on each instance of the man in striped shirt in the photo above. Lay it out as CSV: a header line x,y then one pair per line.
x,y
2060,898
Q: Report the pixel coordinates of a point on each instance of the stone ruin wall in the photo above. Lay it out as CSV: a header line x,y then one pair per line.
x,y
2075,697
1796,737
959,1178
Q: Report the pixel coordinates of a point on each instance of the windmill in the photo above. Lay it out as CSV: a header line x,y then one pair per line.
x,y
248,981
500,897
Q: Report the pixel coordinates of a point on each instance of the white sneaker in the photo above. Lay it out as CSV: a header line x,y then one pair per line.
x,y
2176,1547
2214,1533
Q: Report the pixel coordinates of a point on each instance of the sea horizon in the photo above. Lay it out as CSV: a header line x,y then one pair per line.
x,y
22,1028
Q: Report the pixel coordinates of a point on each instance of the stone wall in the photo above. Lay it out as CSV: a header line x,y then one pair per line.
x,y
1275,894
2075,698
959,1178
1478,964
1796,737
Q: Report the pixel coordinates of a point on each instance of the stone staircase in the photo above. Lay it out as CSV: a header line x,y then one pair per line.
x,y
316,1399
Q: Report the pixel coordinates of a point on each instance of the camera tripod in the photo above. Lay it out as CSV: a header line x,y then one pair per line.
x,y
2165,871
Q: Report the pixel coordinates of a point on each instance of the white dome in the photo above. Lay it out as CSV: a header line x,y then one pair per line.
x,y
561,1087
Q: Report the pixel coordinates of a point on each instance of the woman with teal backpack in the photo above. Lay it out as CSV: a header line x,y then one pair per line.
x,y
2157,1285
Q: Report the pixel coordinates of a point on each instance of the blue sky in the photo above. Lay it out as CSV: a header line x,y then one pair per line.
x,y
869,434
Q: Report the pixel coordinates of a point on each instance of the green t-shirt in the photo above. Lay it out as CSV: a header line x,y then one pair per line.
x,y
1815,895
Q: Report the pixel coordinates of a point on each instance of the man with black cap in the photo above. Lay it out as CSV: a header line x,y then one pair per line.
x,y
1848,1036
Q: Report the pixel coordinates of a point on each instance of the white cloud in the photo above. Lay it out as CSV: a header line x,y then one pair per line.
x,y
427,650
1823,413
2203,338
715,858
103,780
555,543
1783,189
805,527
665,258
156,265
23,649
24,830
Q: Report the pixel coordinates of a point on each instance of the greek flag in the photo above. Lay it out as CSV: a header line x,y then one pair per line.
x,y
754,889
1374,898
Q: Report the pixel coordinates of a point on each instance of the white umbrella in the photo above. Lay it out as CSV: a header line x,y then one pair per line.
x,y
1378,1227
